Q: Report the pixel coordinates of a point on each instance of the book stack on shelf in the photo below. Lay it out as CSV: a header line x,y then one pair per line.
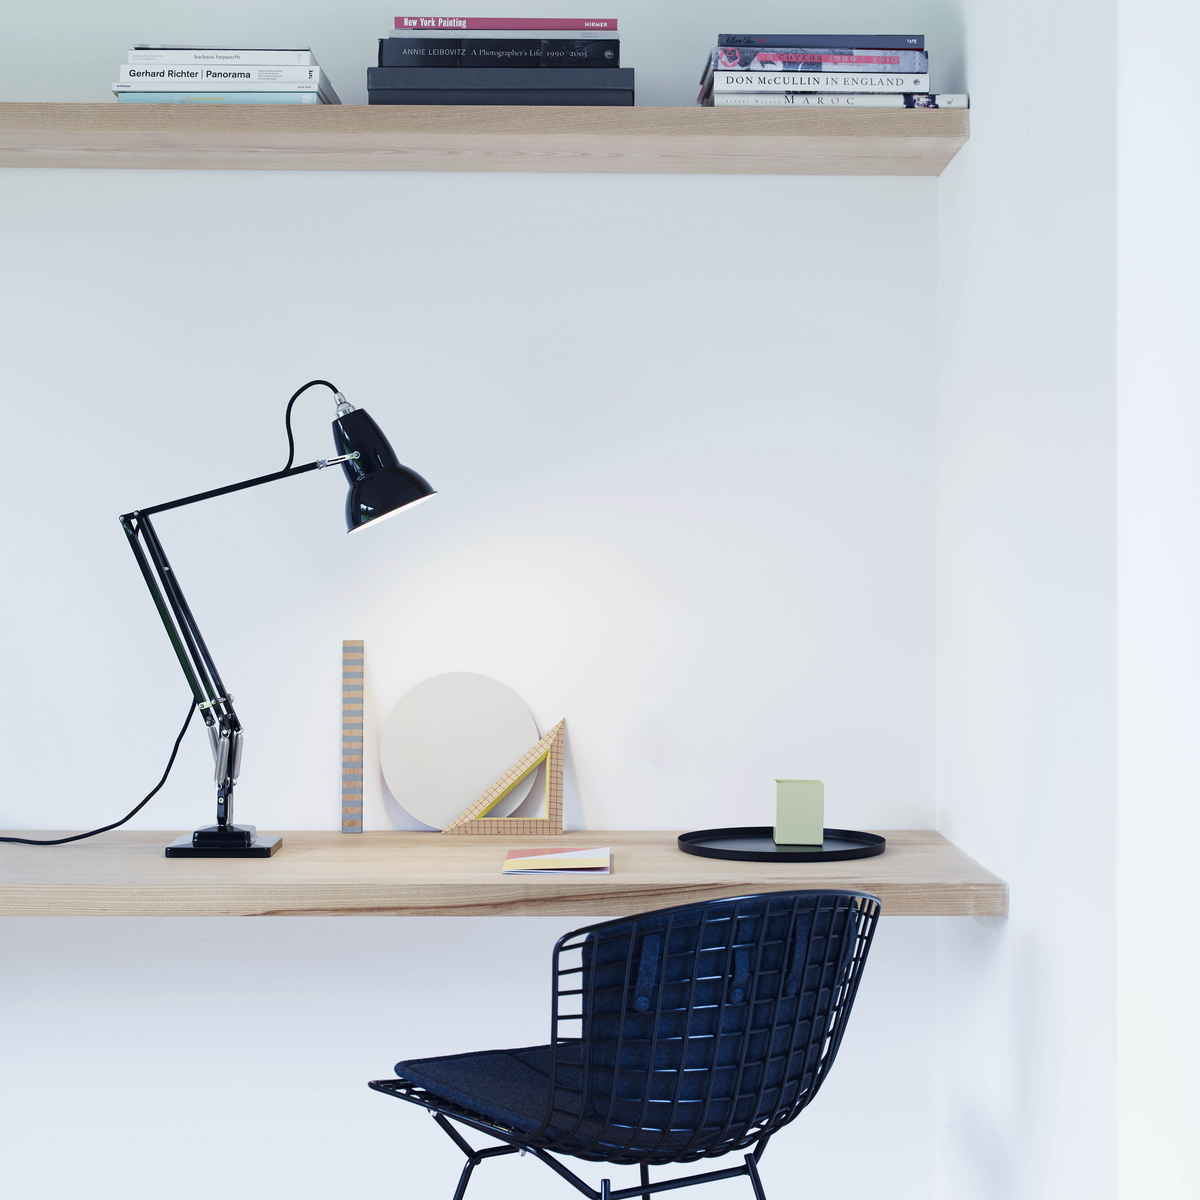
x,y
810,70
222,75
501,60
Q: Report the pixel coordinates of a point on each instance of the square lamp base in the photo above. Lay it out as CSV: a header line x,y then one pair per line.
x,y
234,841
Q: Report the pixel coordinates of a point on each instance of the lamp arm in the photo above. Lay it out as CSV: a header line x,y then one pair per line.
x,y
214,702
206,669
131,532
319,465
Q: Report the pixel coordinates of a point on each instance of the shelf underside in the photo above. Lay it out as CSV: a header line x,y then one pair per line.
x,y
672,141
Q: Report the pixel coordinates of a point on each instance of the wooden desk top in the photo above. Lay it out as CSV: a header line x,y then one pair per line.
x,y
426,874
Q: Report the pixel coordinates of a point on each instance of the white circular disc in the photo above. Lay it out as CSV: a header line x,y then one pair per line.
x,y
449,739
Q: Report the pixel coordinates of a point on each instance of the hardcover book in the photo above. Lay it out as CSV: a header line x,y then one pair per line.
x,y
238,49
480,52
466,78
879,41
825,58
245,89
220,98
507,34
297,58
836,100
228,76
225,79
505,22
820,81
562,97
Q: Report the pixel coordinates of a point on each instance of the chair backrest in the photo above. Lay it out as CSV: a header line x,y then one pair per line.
x,y
692,1031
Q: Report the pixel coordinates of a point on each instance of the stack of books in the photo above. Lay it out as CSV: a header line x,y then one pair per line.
x,y
811,70
501,60
222,75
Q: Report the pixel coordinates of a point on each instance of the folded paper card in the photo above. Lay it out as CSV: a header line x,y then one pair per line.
x,y
555,861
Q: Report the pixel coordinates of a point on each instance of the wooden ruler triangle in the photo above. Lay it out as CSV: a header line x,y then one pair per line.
x,y
474,818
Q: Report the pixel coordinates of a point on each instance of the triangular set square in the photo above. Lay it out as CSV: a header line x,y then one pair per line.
x,y
474,818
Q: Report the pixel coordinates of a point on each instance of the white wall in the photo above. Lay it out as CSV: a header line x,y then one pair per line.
x,y
701,530
1026,1014
1159,588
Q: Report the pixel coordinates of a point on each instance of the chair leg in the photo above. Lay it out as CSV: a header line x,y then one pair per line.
x,y
465,1178
605,1189
755,1182
645,1171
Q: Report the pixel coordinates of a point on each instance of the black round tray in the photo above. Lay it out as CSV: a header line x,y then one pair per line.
x,y
754,843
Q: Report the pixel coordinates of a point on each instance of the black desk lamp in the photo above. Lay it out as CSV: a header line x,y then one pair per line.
x,y
379,487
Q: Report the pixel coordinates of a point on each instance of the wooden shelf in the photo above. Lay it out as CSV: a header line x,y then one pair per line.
x,y
426,874
717,141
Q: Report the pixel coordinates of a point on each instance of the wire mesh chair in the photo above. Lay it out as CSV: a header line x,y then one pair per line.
x,y
677,1035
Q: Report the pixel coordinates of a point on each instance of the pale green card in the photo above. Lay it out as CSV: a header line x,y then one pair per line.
x,y
799,812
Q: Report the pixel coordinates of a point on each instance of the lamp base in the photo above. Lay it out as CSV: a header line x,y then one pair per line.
x,y
232,841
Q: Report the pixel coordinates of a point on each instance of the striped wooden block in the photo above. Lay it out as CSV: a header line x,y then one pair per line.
x,y
352,736
474,818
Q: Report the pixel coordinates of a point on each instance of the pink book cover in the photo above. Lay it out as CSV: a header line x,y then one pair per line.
x,y
505,23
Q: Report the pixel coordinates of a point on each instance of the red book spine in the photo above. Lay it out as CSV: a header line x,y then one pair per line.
x,y
609,23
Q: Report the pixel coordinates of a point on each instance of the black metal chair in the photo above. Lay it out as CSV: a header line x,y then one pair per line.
x,y
677,1035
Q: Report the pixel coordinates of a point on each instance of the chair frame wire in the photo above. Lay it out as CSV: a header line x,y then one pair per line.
x,y
609,1139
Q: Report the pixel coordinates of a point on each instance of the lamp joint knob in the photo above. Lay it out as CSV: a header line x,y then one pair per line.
x,y
322,463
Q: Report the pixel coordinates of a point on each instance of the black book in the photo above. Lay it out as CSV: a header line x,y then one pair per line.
x,y
498,52
606,97
517,78
827,41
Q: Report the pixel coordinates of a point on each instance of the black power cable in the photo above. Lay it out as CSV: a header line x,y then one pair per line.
x,y
92,833
287,424
287,416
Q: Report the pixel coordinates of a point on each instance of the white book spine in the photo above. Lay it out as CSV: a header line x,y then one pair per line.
x,y
816,81
838,100
219,58
227,78
121,89
506,35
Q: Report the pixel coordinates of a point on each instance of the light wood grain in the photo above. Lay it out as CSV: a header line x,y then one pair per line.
x,y
426,874
721,141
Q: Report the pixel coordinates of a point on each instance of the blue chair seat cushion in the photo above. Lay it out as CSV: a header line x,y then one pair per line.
x,y
510,1088
506,1086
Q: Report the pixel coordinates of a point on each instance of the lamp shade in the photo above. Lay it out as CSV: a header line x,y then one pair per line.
x,y
380,484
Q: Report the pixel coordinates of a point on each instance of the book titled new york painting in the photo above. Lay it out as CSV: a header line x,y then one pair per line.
x,y
609,23
554,860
